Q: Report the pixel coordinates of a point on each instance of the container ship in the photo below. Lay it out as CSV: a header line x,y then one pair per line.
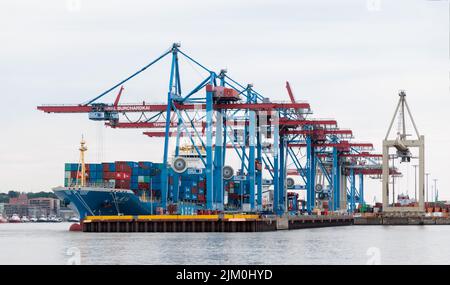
x,y
134,188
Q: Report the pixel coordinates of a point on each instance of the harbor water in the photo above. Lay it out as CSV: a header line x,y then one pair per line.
x,y
48,243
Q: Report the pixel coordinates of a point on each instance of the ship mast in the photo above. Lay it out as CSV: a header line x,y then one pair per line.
x,y
82,149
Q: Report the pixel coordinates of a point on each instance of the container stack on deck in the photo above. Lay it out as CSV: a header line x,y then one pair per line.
x,y
141,177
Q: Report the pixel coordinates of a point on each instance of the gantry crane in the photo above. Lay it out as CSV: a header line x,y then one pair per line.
x,y
214,114
403,147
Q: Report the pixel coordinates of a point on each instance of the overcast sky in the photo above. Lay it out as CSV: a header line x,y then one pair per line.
x,y
348,58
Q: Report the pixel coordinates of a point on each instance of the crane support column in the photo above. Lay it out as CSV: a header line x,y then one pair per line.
x,y
311,172
176,176
282,177
343,195
276,180
361,189
209,157
218,162
251,158
336,179
352,190
165,168
259,168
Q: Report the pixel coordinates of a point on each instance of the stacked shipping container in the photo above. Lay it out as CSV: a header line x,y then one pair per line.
x,y
141,177
144,178
94,174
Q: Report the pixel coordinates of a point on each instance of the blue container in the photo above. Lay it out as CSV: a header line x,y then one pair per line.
x,y
112,167
147,164
133,164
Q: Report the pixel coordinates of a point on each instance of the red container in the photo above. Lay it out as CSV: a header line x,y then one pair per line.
x,y
75,174
105,167
122,166
172,209
201,197
123,185
258,165
201,184
109,175
123,175
194,190
143,186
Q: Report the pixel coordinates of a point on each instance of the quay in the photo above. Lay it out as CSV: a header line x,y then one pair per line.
x,y
402,220
208,223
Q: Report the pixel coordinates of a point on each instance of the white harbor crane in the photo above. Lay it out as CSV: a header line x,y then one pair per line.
x,y
403,146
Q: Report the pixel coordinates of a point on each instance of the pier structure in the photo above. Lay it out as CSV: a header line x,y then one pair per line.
x,y
208,223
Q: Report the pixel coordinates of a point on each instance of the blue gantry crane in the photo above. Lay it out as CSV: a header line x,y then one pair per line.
x,y
221,119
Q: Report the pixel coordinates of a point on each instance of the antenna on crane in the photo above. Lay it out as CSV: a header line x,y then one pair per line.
x,y
82,173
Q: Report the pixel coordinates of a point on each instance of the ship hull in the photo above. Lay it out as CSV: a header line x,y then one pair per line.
x,y
92,201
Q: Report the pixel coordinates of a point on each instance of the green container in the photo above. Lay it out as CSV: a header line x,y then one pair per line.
x,y
363,208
